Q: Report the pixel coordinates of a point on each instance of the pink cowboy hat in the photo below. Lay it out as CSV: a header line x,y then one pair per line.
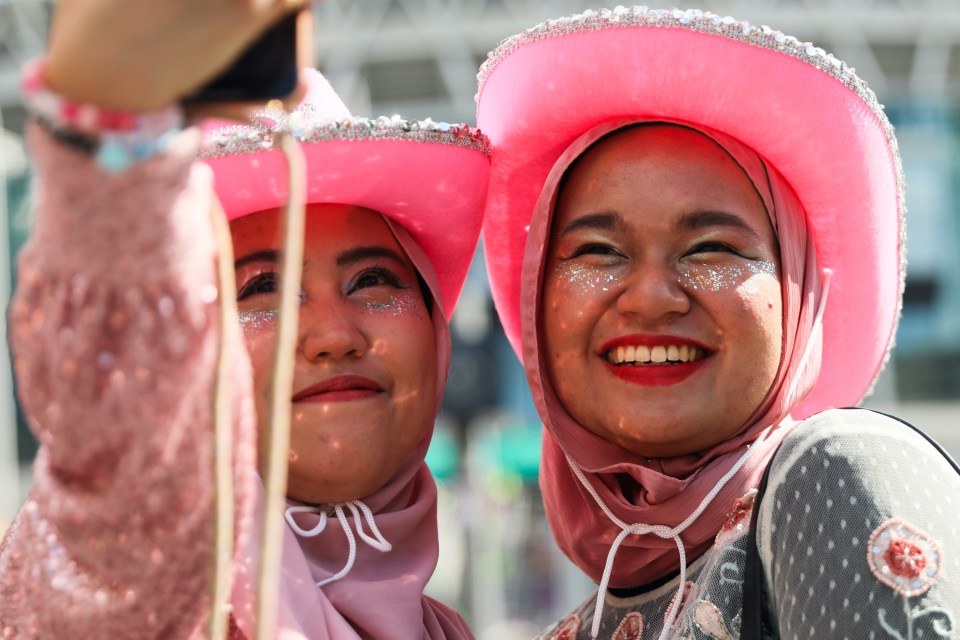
x,y
801,109
430,177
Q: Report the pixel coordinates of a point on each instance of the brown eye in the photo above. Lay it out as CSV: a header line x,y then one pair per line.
x,y
376,277
712,247
595,249
263,283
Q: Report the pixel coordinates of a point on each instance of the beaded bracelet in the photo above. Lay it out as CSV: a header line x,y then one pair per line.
x,y
116,139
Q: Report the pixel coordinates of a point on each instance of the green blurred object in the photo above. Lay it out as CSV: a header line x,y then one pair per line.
x,y
514,449
443,456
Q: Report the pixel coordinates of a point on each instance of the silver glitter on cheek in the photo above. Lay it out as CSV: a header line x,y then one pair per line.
x,y
720,278
588,279
257,319
405,304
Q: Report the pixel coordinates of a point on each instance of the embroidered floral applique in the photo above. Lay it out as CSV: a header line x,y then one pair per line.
x,y
710,621
904,558
738,519
690,593
630,628
566,630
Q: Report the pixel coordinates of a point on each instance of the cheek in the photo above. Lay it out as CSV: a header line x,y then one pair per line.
x,y
258,332
573,294
402,335
763,306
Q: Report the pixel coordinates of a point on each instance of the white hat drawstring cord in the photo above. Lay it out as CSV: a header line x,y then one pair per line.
x,y
659,530
377,541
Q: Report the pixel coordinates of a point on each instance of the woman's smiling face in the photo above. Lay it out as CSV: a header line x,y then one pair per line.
x,y
661,317
364,390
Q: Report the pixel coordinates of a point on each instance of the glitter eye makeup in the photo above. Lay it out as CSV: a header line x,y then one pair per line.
x,y
257,319
720,278
585,277
406,303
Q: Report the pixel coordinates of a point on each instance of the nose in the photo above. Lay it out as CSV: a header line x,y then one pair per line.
x,y
329,331
653,292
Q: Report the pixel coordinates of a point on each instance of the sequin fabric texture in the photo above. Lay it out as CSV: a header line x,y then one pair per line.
x,y
858,537
115,332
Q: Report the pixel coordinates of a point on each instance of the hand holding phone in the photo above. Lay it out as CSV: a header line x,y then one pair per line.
x,y
143,55
266,70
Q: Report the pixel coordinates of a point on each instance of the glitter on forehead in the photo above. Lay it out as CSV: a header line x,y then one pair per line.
x,y
257,319
720,278
587,277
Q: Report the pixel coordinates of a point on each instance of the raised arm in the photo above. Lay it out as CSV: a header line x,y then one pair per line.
x,y
115,332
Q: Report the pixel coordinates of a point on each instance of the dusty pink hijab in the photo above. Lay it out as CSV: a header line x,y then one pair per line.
x,y
381,596
617,493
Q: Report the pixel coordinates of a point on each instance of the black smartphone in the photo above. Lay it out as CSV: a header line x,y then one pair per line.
x,y
266,70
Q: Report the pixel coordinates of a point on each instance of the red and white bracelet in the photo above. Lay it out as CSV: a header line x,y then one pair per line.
x,y
115,138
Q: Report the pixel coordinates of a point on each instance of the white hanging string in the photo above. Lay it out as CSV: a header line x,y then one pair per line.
x,y
659,530
377,541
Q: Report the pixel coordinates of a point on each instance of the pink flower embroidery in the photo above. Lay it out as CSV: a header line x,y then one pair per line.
x,y
566,630
738,519
690,593
630,628
903,557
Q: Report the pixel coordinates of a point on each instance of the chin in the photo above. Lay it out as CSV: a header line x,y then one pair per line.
x,y
323,492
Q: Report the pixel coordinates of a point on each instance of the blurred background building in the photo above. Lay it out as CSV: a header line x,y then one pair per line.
x,y
419,58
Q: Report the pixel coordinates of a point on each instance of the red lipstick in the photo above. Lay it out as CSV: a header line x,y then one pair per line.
x,y
338,389
659,374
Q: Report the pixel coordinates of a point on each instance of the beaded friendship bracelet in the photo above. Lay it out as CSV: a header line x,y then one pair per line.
x,y
115,138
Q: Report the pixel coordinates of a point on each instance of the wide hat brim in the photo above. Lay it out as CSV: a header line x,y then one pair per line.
x,y
429,177
801,109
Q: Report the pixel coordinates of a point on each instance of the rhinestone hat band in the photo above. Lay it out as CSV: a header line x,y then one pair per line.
x,y
704,22
692,19
308,125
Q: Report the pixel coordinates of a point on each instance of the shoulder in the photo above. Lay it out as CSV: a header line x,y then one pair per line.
x,y
863,443
859,460
860,511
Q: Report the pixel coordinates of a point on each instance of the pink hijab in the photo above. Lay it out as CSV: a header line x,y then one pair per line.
x,y
381,596
610,509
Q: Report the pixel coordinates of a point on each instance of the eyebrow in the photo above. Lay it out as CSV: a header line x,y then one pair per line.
x,y
268,255
358,254
348,257
604,220
697,220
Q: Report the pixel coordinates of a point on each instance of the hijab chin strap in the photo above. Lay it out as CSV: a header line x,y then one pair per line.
x,y
659,530
378,542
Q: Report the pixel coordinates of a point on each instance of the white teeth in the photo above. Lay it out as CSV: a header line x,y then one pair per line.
x,y
656,355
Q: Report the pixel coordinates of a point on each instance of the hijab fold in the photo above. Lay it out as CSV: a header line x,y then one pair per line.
x,y
666,491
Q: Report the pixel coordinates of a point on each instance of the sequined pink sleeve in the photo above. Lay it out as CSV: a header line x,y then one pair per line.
x,y
115,332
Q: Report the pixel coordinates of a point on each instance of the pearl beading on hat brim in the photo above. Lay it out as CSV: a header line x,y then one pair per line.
x,y
762,36
308,126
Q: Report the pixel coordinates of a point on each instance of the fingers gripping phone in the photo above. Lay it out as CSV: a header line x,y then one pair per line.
x,y
267,69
